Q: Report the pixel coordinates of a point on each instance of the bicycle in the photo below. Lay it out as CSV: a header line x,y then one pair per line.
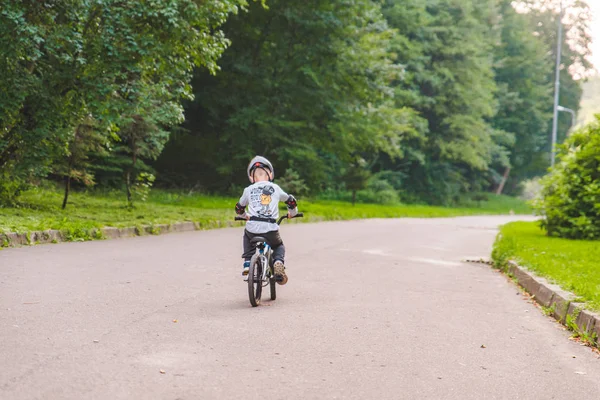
x,y
261,271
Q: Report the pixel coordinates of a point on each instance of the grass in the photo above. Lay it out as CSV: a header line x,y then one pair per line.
x,y
39,209
571,264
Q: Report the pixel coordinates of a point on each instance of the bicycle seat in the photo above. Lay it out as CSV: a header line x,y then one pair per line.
x,y
257,239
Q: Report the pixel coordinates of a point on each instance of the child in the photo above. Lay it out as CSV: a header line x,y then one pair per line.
x,y
262,198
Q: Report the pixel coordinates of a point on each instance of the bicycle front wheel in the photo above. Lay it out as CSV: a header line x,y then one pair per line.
x,y
255,280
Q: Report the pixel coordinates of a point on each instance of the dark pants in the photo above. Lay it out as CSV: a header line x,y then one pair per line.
x,y
273,239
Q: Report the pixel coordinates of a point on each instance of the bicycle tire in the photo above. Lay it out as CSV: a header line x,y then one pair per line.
x,y
255,280
272,286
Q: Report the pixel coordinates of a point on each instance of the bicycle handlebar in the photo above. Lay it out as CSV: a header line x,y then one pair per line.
x,y
299,215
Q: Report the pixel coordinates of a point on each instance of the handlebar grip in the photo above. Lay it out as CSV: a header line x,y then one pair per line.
x,y
240,219
299,215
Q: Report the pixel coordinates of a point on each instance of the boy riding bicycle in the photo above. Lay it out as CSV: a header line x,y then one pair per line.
x,y
262,198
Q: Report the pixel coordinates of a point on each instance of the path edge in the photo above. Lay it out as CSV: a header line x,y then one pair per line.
x,y
57,236
558,303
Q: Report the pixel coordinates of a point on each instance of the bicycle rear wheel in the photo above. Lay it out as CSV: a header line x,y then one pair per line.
x,y
255,280
272,286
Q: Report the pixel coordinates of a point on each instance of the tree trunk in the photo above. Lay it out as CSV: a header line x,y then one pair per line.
x,y
353,197
131,170
67,190
128,185
503,182
128,180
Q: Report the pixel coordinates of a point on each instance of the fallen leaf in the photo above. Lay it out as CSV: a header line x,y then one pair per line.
x,y
580,373
175,321
96,341
162,371
483,346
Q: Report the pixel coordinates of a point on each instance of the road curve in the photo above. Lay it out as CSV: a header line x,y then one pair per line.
x,y
373,309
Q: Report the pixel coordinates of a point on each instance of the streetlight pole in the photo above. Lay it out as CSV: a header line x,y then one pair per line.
x,y
573,115
557,85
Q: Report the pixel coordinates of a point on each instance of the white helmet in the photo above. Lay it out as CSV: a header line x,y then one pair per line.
x,y
260,162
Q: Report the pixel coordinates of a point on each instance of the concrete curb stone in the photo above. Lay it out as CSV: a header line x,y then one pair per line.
x,y
14,239
542,291
560,304
523,278
48,236
128,232
19,239
184,227
584,319
560,301
596,328
163,229
111,233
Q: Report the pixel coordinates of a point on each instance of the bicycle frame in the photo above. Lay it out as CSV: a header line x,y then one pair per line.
x,y
264,252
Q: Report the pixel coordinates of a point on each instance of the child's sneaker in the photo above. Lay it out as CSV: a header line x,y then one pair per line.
x,y
280,275
245,270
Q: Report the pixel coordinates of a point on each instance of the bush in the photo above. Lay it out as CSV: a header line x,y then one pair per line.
x,y
382,192
377,191
292,183
570,198
10,189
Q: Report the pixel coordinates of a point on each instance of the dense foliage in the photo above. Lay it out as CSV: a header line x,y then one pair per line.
x,y
570,200
120,66
417,100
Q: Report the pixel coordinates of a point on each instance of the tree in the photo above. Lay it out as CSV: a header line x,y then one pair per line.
x,y
303,82
356,178
445,48
69,58
86,140
521,66
574,63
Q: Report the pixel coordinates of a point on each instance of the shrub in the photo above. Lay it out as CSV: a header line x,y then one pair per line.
x,y
383,192
377,191
570,198
10,189
292,183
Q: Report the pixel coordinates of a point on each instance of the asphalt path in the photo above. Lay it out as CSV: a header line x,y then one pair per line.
x,y
373,309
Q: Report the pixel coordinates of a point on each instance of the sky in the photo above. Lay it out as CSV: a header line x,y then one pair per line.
x,y
595,27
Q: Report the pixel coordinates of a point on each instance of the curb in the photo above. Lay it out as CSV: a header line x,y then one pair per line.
x,y
561,304
57,236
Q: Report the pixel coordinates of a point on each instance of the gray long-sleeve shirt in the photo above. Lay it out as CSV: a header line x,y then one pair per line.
x,y
262,199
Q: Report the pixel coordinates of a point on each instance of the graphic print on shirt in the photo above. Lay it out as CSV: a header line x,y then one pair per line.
x,y
261,197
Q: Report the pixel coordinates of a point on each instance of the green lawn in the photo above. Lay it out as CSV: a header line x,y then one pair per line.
x,y
574,265
40,210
